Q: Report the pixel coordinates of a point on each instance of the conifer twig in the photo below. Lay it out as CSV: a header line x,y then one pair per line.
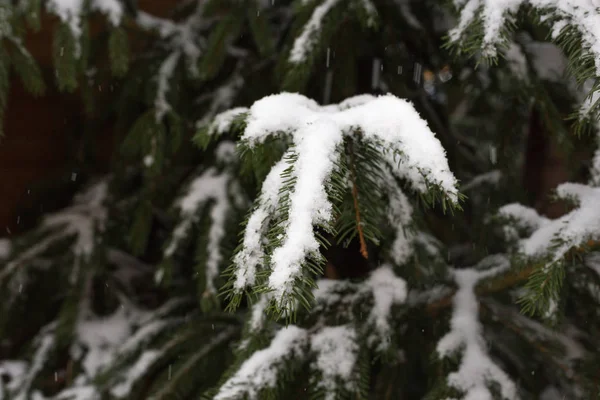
x,y
507,280
361,236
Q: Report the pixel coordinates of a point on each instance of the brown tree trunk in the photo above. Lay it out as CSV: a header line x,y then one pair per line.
x,y
546,166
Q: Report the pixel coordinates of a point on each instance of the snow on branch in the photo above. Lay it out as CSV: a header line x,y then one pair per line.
x,y
252,254
222,191
496,14
71,11
165,74
223,122
81,220
262,370
309,37
184,40
336,350
476,370
44,344
390,124
556,237
380,291
400,215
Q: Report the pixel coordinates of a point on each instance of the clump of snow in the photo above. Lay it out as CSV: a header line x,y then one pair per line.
x,y
81,220
315,146
122,389
386,120
44,343
15,371
87,392
102,340
337,353
580,14
400,215
222,99
220,188
525,217
260,371
382,286
408,15
251,256
390,123
556,237
492,177
222,122
387,290
476,369
547,60
309,37
165,74
98,337
225,153
516,60
113,9
185,41
71,12
258,317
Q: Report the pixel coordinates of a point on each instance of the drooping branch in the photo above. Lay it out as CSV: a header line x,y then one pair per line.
x,y
508,280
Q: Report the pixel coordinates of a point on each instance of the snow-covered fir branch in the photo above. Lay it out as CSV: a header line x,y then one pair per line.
x,y
556,237
333,350
496,15
82,220
262,370
71,12
220,191
336,356
186,44
309,37
476,371
378,294
317,133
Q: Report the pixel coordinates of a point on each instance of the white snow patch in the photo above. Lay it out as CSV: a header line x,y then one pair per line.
x,y
476,367
337,353
252,254
99,336
309,37
223,121
136,371
260,371
495,14
573,228
82,219
222,190
165,74
71,12
383,286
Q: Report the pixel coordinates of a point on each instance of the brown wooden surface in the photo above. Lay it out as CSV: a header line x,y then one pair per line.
x,y
35,146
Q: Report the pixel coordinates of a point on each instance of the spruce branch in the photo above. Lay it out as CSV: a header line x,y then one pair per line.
x,y
309,191
509,279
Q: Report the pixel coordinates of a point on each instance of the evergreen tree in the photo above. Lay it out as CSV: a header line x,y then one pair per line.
x,y
348,222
